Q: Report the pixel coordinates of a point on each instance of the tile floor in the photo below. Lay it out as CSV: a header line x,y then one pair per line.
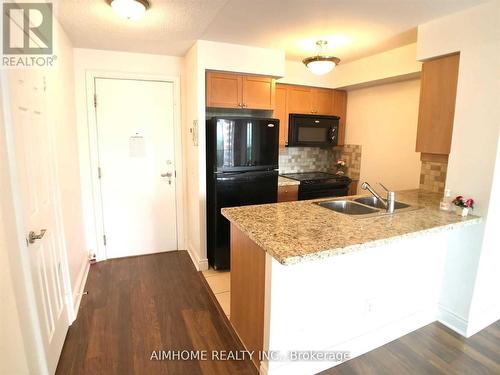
x,y
220,283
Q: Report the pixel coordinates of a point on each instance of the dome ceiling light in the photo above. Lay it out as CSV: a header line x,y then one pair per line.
x,y
130,9
320,64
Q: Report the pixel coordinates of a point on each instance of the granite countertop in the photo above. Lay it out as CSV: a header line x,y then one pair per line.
x,y
283,181
292,232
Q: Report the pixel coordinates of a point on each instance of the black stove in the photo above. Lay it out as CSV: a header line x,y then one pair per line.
x,y
320,184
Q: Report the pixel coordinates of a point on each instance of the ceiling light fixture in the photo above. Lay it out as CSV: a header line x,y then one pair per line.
x,y
130,9
319,64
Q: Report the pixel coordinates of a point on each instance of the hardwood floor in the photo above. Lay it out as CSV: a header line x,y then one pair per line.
x,y
140,304
433,349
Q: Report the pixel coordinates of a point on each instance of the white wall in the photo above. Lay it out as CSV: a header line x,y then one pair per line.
x,y
398,63
239,58
296,73
390,66
475,33
485,307
112,62
62,114
351,302
383,120
194,202
206,55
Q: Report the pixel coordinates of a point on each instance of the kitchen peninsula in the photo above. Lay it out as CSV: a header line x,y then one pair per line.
x,y
303,276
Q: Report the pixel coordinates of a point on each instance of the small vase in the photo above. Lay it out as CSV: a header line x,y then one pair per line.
x,y
462,211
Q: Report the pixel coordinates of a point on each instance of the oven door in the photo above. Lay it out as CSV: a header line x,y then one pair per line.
x,y
312,131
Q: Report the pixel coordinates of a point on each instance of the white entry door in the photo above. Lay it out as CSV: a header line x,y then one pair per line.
x,y
36,174
135,131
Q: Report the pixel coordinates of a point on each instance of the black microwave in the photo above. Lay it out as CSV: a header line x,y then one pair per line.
x,y
312,130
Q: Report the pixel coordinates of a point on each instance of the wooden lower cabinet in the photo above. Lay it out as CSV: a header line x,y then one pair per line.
x,y
288,193
248,269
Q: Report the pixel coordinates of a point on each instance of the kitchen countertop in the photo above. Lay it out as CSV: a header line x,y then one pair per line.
x,y
293,232
283,181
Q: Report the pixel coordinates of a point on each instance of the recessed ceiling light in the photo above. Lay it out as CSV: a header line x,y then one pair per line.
x,y
319,64
130,9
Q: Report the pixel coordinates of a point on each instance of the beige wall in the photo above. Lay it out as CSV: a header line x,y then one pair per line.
x,y
383,120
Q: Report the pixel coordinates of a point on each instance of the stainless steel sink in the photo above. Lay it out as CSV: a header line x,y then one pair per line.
x,y
348,207
374,202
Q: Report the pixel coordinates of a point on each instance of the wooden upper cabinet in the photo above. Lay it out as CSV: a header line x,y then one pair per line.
x,y
322,101
224,90
309,100
258,92
340,109
281,113
300,99
232,90
438,92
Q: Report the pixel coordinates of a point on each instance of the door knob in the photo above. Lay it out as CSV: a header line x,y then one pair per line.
x,y
32,237
168,174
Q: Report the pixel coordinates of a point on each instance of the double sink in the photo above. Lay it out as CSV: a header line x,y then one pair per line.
x,y
363,206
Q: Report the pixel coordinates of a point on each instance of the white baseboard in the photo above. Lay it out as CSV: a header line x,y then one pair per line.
x,y
452,320
482,320
200,264
79,288
358,345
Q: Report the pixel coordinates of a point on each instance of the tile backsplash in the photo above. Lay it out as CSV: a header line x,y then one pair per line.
x,y
433,176
307,159
351,154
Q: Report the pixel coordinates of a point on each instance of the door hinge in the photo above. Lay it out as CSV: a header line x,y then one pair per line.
x,y
95,100
104,239
99,174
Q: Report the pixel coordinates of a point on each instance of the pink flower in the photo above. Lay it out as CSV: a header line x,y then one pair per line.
x,y
470,203
460,201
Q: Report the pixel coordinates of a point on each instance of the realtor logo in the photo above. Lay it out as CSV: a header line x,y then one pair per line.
x,y
27,29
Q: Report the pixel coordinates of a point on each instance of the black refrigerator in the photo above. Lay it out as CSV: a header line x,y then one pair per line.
x,y
242,169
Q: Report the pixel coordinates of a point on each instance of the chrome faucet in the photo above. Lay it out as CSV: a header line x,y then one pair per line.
x,y
391,196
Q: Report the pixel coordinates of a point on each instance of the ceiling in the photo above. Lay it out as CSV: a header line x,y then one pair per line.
x,y
353,28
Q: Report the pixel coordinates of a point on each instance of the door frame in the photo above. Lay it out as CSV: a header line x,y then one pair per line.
x,y
90,77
